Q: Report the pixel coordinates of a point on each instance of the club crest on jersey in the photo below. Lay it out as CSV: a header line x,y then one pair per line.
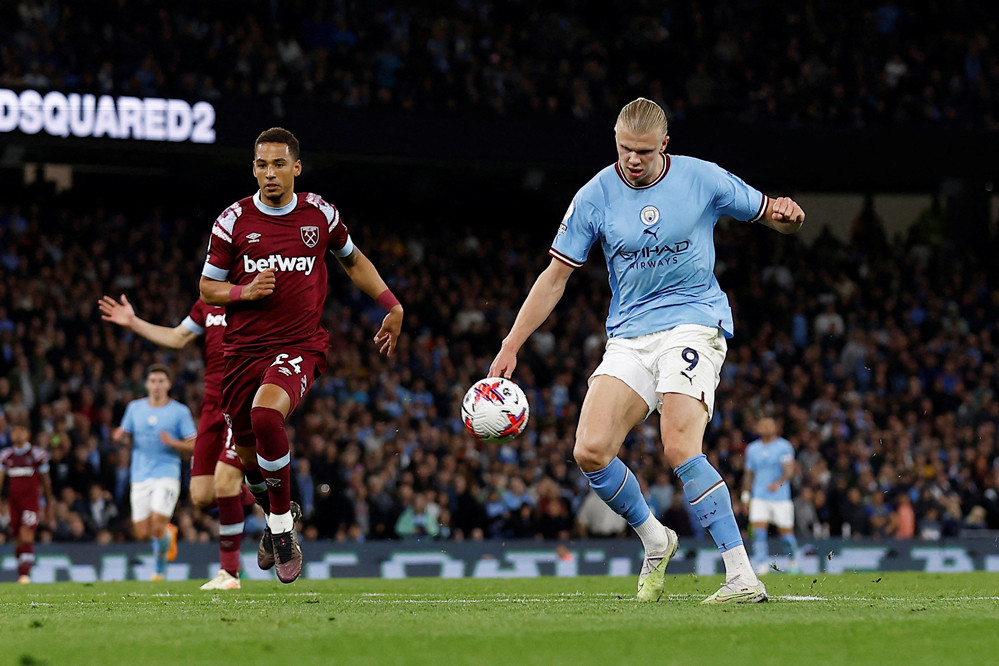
x,y
650,215
310,236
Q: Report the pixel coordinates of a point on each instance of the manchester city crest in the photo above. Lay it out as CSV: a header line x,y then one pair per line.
x,y
650,215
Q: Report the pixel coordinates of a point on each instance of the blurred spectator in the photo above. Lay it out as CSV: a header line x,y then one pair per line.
x,y
595,519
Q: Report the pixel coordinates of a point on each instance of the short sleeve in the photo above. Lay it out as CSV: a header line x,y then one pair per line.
x,y
737,199
577,233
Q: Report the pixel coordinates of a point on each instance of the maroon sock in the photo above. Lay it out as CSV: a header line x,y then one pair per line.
x,y
273,456
25,554
230,532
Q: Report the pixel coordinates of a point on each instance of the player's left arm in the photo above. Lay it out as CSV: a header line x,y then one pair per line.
x,y
747,486
787,473
46,479
185,445
783,214
363,273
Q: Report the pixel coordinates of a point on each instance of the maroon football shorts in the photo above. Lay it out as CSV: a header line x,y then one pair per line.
x,y
23,514
292,369
208,447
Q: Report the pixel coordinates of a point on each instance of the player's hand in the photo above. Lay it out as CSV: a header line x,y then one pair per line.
x,y
261,286
115,312
388,335
504,364
787,212
774,486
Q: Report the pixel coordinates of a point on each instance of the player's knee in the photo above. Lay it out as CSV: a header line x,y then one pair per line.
x,y
228,479
265,419
202,497
591,455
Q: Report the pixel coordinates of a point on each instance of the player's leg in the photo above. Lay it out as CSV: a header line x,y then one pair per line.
x,y
283,384
270,407
784,520
683,422
163,500
203,491
689,372
140,499
212,434
610,410
239,384
761,546
759,520
23,523
229,486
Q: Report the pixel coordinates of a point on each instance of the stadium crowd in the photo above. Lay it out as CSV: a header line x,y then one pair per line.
x,y
846,65
877,357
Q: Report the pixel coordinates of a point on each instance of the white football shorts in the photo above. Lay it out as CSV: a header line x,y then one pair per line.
x,y
686,359
154,496
774,512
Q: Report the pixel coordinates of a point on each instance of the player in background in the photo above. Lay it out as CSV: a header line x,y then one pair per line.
x,y
767,490
654,215
267,265
26,469
216,473
160,430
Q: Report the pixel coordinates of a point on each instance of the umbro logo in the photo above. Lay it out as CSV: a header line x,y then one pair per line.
x,y
253,237
273,482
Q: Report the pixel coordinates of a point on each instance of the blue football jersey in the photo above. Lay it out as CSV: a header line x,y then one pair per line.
x,y
766,462
151,458
658,243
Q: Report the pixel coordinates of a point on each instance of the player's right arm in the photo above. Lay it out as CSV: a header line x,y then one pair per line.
x,y
46,478
218,292
747,486
123,314
544,295
222,256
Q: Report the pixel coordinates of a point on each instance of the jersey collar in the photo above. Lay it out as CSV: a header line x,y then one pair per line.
x,y
271,210
617,168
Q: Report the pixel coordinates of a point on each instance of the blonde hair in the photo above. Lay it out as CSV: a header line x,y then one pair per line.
x,y
642,116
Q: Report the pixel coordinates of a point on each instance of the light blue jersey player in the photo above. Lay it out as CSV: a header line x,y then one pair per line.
x,y
654,216
769,469
160,429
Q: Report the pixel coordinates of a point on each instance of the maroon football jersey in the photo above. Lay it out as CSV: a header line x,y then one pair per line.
x,y
24,469
211,320
250,237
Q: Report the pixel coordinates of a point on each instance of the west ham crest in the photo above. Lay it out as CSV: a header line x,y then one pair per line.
x,y
310,236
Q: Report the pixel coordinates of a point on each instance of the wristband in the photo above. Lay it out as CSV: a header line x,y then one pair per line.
x,y
387,299
236,293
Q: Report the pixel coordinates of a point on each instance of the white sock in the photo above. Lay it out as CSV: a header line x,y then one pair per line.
x,y
737,564
280,522
653,536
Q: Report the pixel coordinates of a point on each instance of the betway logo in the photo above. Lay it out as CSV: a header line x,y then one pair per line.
x,y
279,263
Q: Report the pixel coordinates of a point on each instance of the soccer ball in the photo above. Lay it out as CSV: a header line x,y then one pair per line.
x,y
495,410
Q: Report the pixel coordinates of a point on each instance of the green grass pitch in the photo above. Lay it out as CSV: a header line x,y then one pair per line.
x,y
890,618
